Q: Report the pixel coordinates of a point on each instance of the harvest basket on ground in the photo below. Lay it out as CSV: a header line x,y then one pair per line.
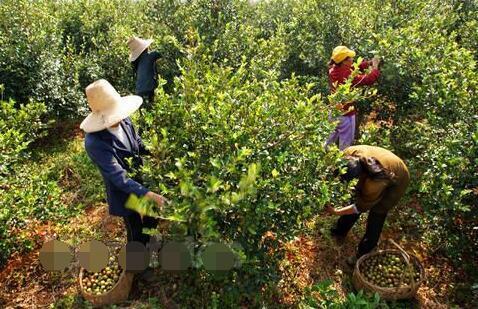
x,y
109,286
392,273
118,293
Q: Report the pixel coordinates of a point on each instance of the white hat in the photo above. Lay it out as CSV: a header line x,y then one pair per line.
x,y
137,46
107,106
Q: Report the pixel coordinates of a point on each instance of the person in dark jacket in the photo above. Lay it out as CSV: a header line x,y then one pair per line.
x,y
144,67
111,141
382,181
340,69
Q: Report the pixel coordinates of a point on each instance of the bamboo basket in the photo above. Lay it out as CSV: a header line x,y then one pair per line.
x,y
118,293
395,293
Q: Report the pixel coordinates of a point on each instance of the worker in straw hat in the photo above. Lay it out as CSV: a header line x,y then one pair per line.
x,y
111,142
340,69
144,67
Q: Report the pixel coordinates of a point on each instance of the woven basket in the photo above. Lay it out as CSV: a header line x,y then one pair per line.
x,y
118,293
406,292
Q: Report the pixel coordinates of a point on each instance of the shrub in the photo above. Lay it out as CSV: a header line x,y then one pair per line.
x,y
18,128
59,183
33,63
240,156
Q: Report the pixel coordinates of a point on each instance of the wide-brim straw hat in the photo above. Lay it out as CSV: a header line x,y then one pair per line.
x,y
107,106
137,46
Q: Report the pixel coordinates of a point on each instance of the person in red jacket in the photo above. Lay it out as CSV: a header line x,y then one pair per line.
x,y
340,69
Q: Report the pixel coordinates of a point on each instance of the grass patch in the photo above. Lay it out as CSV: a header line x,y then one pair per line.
x,y
56,183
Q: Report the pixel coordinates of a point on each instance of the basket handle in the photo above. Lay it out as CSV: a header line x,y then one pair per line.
x,y
406,256
403,252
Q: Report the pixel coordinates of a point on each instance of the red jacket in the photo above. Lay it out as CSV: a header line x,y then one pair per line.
x,y
338,74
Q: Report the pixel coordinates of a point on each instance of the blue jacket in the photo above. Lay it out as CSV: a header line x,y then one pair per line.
x,y
109,155
146,73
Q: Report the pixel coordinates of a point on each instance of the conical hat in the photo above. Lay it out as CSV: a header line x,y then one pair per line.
x,y
107,106
137,46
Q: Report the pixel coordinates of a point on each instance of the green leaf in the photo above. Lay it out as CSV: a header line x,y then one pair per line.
x,y
214,184
142,206
150,232
275,173
251,230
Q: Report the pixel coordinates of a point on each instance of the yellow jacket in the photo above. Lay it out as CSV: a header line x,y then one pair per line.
x,y
380,195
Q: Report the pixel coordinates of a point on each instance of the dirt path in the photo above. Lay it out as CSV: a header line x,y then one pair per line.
x,y
310,259
316,257
24,282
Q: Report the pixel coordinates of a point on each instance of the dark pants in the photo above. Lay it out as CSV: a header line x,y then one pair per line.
x,y
134,227
375,223
148,99
359,118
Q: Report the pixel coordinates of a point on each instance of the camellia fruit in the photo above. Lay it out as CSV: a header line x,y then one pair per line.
x,y
388,270
104,280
